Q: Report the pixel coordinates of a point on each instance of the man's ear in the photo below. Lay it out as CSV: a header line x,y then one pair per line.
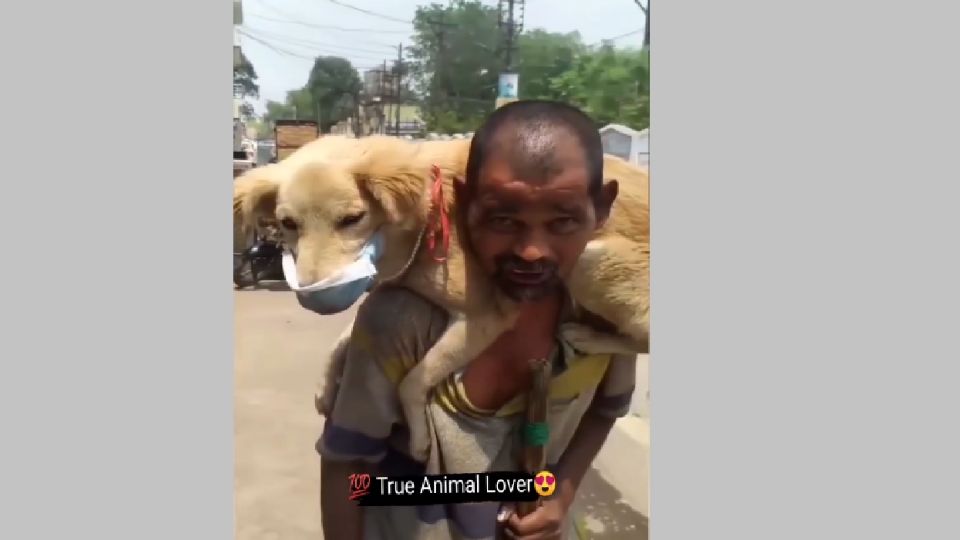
x,y
604,201
460,190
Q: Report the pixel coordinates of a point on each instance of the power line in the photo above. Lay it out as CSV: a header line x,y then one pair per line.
x,y
314,49
614,38
272,47
292,39
329,27
368,12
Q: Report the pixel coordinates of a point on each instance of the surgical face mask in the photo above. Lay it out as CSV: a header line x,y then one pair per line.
x,y
343,289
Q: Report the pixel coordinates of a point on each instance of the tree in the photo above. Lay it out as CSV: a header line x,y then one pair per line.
x,y
278,111
542,57
455,64
245,77
303,104
335,86
246,111
610,85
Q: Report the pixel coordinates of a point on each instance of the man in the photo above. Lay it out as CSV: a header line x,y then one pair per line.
x,y
532,197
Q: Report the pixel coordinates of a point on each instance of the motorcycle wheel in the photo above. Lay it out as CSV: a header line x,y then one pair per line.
x,y
244,274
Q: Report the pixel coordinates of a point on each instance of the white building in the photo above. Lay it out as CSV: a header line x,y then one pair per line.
x,y
239,130
627,143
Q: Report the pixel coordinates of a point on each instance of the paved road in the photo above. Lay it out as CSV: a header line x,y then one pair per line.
x,y
278,364
278,358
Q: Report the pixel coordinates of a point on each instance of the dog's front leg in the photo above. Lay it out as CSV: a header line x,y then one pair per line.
x,y
591,341
333,372
463,340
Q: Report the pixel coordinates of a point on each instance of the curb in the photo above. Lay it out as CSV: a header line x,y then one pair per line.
x,y
629,442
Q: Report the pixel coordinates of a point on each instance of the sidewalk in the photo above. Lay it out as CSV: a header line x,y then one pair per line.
x,y
613,501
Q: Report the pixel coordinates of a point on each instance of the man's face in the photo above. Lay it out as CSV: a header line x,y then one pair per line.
x,y
529,232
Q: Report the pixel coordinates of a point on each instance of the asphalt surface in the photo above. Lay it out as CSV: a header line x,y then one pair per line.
x,y
277,361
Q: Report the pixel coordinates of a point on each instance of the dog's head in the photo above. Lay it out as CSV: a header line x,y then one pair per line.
x,y
326,211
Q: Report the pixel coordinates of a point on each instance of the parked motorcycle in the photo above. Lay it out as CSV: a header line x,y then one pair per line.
x,y
261,261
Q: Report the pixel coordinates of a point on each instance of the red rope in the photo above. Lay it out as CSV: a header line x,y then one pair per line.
x,y
438,228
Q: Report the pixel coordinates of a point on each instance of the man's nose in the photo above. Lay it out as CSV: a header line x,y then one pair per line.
x,y
533,246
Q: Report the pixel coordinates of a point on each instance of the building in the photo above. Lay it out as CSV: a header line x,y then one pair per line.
x,y
237,21
626,143
238,127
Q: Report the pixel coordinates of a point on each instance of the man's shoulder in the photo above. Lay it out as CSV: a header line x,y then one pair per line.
x,y
391,308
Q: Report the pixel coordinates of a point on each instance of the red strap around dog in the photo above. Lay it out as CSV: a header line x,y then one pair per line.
x,y
438,225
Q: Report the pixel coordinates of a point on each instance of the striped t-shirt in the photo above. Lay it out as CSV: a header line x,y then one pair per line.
x,y
393,330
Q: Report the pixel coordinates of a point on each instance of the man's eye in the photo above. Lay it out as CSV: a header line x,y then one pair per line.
x,y
502,223
564,225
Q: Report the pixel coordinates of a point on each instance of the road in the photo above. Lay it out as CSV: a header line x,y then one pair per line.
x,y
279,350
278,360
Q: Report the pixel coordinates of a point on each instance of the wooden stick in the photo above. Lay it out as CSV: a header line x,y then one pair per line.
x,y
535,457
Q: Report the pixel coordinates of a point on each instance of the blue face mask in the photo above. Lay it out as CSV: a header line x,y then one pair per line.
x,y
338,292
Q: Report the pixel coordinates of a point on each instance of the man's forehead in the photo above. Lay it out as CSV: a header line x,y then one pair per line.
x,y
566,190
534,153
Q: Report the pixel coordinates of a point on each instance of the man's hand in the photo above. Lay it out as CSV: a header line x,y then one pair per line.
x,y
545,523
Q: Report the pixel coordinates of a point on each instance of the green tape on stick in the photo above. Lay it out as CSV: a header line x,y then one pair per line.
x,y
537,433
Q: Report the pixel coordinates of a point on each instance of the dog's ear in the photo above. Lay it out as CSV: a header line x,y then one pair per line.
x,y
385,194
254,197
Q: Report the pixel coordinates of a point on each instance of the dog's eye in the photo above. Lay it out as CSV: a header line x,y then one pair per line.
x,y
352,219
289,224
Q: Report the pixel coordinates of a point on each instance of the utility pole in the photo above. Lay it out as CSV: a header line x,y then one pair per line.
x,y
396,127
440,81
646,22
382,128
512,26
509,63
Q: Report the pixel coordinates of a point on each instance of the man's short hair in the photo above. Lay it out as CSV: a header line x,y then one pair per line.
x,y
527,130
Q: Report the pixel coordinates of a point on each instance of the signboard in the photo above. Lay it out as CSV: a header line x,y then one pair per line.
x,y
509,86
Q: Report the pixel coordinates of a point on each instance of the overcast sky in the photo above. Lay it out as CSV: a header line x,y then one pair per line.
x,y
284,57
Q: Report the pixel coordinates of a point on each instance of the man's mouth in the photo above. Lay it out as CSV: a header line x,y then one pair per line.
x,y
527,277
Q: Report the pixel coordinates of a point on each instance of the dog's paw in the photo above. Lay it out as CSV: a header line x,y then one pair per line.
x,y
590,341
419,439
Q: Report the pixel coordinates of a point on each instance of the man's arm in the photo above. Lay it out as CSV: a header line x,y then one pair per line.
x,y
366,406
583,448
611,401
339,516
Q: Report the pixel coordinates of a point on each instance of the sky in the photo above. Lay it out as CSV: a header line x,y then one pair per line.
x,y
282,43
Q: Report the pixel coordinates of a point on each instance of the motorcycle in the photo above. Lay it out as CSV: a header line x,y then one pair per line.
x,y
261,261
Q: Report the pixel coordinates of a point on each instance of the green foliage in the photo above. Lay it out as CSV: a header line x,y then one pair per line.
x,y
458,78
543,56
246,77
335,86
611,85
454,63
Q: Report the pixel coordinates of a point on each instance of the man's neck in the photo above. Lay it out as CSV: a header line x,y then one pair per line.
x,y
541,312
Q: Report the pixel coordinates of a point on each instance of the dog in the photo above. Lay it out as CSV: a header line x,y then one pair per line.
x,y
332,195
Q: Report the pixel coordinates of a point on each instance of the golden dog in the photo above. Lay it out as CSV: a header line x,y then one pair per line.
x,y
333,194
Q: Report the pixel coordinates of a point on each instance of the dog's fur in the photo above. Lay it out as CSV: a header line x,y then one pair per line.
x,y
388,180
